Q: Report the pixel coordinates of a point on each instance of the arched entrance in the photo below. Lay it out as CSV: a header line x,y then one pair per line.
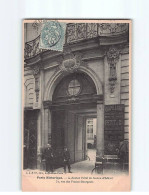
x,y
75,99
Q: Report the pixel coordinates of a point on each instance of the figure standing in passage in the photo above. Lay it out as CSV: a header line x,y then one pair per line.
x,y
66,156
48,155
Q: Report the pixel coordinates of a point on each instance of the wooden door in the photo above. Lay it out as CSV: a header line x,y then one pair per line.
x,y
58,129
70,139
80,139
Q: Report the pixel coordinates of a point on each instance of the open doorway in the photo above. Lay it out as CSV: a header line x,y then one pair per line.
x,y
91,125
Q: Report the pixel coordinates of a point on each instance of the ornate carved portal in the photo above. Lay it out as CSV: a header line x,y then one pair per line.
x,y
112,57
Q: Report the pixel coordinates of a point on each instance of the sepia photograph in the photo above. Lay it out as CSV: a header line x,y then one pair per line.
x,y
76,98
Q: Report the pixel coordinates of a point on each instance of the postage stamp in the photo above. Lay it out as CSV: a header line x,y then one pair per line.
x,y
52,35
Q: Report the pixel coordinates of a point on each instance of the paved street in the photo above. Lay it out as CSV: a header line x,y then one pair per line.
x,y
88,165
83,166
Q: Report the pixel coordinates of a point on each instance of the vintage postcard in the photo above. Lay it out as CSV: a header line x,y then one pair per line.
x,y
76,132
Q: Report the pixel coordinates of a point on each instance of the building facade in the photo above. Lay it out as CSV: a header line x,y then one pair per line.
x,y
62,90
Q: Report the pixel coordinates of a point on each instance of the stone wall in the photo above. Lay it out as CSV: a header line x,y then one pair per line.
x,y
29,88
125,89
31,32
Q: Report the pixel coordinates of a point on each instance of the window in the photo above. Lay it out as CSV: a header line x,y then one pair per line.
x,y
89,129
74,87
90,121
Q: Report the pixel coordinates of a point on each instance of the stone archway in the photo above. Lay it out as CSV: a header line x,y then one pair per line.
x,y
74,98
50,88
54,80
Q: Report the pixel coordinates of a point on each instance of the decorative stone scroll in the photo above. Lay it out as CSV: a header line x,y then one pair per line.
x,y
71,62
112,57
36,70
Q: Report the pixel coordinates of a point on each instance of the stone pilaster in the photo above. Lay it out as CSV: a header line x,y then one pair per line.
x,y
36,73
46,126
100,130
47,123
49,129
39,135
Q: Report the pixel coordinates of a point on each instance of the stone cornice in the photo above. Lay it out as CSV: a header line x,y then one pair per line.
x,y
28,108
50,55
113,40
83,46
36,60
78,100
